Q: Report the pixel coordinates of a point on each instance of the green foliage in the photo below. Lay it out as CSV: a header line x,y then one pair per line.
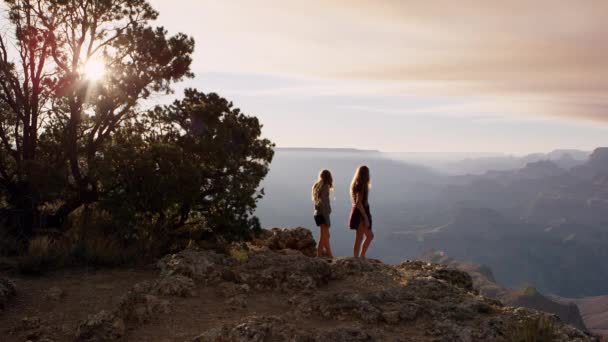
x,y
541,329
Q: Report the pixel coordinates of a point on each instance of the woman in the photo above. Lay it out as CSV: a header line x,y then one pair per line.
x,y
320,198
360,216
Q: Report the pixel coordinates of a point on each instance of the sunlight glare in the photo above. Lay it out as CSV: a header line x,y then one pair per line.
x,y
94,70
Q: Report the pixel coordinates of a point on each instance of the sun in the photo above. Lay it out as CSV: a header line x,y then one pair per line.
x,y
94,70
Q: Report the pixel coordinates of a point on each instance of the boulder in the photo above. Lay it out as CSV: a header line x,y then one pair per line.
x,y
205,266
277,239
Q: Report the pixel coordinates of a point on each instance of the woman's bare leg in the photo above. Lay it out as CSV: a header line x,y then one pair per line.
x,y
369,236
358,240
320,245
326,246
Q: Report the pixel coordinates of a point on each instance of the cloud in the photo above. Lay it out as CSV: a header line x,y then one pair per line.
x,y
550,57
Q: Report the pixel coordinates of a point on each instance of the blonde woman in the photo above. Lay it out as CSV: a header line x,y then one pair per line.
x,y
320,198
360,216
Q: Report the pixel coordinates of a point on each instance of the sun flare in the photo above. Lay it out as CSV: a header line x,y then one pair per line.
x,y
94,70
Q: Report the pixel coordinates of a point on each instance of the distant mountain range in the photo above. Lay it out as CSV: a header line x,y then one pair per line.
x,y
479,163
541,224
323,150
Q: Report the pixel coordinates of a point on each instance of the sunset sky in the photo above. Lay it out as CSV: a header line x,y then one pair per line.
x,y
451,76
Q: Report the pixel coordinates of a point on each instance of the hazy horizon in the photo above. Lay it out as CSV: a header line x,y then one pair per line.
x,y
440,152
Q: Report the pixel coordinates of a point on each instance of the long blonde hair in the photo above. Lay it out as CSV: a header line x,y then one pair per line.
x,y
324,179
360,184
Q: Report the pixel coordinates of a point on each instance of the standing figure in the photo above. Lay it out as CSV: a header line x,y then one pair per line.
x,y
360,216
320,197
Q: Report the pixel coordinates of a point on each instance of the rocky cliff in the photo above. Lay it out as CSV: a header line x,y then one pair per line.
x,y
272,291
529,297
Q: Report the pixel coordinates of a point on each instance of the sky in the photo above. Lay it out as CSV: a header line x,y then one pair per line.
x,y
513,76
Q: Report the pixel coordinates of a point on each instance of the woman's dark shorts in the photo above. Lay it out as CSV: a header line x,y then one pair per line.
x,y
320,219
356,218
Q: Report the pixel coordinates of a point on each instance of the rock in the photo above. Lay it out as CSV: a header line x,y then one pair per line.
x,y
391,317
277,239
344,335
30,323
54,294
229,290
7,291
102,326
174,285
344,267
140,307
409,312
273,328
237,302
419,269
32,329
253,329
366,300
455,277
269,270
340,306
205,266
143,287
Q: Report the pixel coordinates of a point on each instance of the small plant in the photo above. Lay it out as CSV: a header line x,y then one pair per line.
x,y
540,329
239,252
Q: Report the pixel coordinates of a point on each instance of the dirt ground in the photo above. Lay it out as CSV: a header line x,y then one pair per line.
x,y
86,292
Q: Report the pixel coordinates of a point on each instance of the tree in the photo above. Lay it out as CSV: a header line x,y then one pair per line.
x,y
68,139
197,162
54,121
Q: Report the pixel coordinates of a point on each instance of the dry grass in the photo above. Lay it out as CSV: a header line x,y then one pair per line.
x,y
43,253
541,329
47,254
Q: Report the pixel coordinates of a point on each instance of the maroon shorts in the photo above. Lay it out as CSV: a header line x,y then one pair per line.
x,y
356,217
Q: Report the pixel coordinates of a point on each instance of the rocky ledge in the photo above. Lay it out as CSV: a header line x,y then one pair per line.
x,y
343,299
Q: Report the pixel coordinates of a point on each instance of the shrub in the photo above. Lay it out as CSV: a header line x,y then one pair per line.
x,y
239,252
43,254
